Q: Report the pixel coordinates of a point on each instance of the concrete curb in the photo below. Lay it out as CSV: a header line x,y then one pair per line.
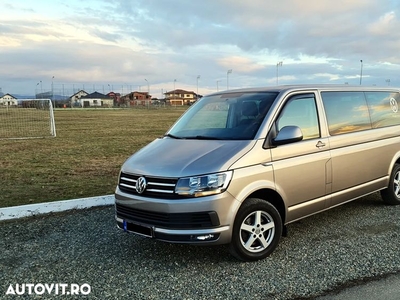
x,y
16,212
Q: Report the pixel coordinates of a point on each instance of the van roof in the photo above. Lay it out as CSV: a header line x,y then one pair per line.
x,y
305,87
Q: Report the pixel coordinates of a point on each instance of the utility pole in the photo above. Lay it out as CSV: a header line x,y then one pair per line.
x,y
197,95
279,64
227,78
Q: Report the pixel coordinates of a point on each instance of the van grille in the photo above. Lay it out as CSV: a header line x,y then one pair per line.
x,y
168,220
156,187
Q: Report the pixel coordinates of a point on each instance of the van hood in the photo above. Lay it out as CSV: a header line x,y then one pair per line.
x,y
168,157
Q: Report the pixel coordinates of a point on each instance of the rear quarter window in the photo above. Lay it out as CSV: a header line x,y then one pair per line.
x,y
383,108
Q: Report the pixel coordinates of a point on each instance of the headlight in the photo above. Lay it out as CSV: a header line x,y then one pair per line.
x,y
204,185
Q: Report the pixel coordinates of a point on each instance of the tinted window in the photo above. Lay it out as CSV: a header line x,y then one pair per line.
x,y
212,115
230,116
301,111
346,112
383,108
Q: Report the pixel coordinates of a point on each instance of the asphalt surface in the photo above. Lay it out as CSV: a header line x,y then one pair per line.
x,y
387,288
349,252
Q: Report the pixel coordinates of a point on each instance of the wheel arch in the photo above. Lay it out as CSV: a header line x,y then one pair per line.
x,y
272,197
395,160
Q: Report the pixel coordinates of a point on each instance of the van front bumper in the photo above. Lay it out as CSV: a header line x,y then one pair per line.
x,y
191,236
205,220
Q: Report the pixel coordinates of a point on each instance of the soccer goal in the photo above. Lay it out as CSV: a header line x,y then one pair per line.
x,y
29,118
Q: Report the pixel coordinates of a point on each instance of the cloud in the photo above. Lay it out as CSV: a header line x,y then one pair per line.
x,y
120,42
386,23
239,63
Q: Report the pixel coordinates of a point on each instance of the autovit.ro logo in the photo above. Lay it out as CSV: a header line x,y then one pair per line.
x,y
50,289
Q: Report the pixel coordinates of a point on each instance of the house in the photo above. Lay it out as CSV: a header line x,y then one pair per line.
x,y
96,99
8,100
136,98
115,96
76,98
181,97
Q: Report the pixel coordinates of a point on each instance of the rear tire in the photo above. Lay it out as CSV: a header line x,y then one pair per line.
x,y
256,231
391,195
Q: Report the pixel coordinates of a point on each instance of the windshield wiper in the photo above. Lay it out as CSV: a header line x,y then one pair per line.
x,y
172,136
196,137
202,137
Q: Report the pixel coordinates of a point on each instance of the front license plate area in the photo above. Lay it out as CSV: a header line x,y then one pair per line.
x,y
138,228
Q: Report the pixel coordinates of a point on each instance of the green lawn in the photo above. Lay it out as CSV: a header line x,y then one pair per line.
x,y
24,122
85,157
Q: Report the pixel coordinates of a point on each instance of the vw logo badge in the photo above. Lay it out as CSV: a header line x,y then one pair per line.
x,y
394,105
141,184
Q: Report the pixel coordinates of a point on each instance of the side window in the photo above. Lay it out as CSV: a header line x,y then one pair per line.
x,y
346,112
301,111
383,107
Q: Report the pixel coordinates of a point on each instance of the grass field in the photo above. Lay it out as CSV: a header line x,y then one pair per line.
x,y
85,157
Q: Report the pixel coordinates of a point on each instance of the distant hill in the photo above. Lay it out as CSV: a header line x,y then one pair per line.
x,y
23,96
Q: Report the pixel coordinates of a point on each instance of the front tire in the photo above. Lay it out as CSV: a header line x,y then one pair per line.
x,y
256,231
391,195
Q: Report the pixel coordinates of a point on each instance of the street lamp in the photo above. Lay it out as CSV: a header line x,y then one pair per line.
x,y
227,78
217,85
36,89
174,88
197,96
52,93
148,86
361,70
388,81
279,64
41,90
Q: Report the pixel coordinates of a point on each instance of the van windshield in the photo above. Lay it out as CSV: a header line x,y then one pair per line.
x,y
229,116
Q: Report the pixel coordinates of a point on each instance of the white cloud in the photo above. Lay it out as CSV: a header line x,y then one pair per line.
x,y
239,63
386,24
122,42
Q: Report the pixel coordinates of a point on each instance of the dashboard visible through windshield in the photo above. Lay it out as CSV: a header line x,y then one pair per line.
x,y
229,116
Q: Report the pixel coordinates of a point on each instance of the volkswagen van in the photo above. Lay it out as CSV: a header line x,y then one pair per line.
x,y
240,165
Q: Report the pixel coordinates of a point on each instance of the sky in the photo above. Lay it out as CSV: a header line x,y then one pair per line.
x,y
161,45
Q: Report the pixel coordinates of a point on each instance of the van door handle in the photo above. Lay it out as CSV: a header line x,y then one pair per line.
x,y
320,144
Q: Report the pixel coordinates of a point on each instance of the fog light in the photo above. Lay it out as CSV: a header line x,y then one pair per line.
x,y
204,237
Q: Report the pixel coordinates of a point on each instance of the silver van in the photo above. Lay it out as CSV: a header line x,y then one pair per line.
x,y
240,165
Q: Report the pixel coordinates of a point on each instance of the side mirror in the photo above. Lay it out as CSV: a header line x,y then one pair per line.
x,y
287,135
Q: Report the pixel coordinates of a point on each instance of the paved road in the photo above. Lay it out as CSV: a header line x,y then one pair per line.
x,y
323,255
387,288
